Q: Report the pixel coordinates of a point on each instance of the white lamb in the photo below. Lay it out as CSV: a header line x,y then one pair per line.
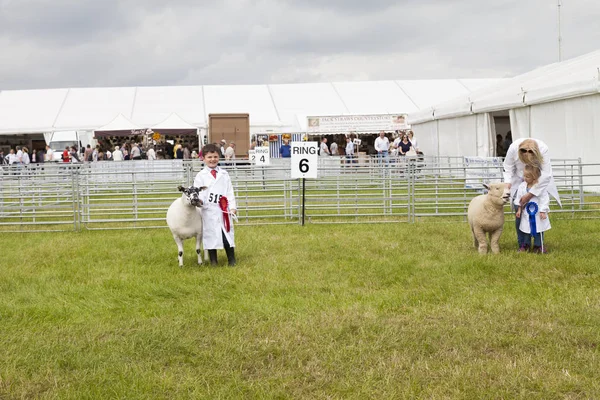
x,y
486,215
184,218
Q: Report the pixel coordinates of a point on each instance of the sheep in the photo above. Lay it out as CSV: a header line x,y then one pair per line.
x,y
486,215
184,218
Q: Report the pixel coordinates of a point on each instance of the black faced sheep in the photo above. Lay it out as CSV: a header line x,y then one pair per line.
x,y
486,215
184,218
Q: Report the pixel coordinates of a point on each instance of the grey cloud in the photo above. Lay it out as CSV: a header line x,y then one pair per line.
x,y
128,42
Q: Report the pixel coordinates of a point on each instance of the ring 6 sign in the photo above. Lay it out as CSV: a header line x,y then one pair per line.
x,y
304,159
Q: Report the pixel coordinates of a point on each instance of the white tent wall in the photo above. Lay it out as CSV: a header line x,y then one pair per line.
x,y
458,136
155,104
427,137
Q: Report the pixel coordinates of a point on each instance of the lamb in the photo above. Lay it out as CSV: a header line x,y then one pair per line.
x,y
184,218
486,215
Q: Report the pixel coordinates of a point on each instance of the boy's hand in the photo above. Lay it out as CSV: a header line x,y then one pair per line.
x,y
234,211
543,215
518,213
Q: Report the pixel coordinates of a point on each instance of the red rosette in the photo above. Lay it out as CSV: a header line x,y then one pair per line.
x,y
224,204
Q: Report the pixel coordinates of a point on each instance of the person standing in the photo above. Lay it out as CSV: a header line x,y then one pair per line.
x,y
334,148
285,151
382,145
230,152
532,152
349,150
218,206
150,154
324,150
534,215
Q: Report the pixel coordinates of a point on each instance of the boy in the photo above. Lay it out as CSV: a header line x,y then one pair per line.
x,y
536,209
218,206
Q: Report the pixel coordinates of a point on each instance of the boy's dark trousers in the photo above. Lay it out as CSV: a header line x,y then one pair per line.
x,y
230,251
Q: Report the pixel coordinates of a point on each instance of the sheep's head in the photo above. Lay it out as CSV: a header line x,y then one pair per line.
x,y
191,195
498,192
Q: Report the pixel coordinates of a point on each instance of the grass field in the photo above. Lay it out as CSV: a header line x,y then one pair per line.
x,y
322,311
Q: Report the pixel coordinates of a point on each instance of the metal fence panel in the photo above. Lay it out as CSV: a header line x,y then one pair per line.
x,y
137,194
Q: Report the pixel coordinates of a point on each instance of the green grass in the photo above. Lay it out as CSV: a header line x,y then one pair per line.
x,y
352,311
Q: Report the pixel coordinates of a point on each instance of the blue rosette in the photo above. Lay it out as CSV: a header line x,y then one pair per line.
x,y
532,209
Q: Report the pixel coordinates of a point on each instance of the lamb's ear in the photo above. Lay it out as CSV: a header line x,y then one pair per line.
x,y
485,185
180,188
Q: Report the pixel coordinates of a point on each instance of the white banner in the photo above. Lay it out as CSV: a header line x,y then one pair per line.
x,y
357,123
479,170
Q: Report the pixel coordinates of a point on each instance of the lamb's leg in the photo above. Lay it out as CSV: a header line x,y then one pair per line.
x,y
180,249
495,240
198,248
479,235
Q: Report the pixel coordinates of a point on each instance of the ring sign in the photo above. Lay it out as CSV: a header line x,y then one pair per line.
x,y
252,156
304,159
262,156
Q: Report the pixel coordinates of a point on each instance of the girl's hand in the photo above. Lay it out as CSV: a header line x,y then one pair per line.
x,y
543,215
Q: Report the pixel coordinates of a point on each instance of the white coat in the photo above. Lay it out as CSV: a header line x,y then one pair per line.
x,y
514,167
212,216
543,202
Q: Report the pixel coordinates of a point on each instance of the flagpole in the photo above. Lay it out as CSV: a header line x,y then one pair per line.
x,y
559,34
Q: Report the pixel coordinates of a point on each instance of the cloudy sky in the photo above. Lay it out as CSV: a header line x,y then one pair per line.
x,y
84,43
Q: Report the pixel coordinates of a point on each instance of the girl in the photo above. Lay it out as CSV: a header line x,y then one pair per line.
x,y
534,214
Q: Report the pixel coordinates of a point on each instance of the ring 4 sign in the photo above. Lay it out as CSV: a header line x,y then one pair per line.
x,y
304,159
261,156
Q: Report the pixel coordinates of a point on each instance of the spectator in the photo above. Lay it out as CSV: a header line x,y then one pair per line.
x,y
95,153
507,142
87,154
404,145
382,144
12,157
66,155
334,148
223,144
285,151
136,153
25,156
117,154
74,156
349,150
2,159
324,150
413,142
230,152
187,154
39,156
150,154
49,156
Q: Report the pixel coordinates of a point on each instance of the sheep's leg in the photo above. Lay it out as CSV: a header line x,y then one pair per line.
x,y
495,240
479,235
475,243
180,249
198,248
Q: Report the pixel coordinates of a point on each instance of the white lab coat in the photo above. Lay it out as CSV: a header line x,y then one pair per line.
x,y
212,216
543,202
513,171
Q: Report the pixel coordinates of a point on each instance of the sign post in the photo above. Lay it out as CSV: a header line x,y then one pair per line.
x,y
304,162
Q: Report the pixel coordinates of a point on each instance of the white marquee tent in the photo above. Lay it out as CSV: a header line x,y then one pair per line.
x,y
558,103
272,108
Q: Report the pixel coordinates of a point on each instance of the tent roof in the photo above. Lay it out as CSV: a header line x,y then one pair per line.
x,y
575,77
175,125
282,107
120,125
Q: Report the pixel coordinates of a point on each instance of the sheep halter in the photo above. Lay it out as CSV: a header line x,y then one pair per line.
x,y
532,209
224,204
